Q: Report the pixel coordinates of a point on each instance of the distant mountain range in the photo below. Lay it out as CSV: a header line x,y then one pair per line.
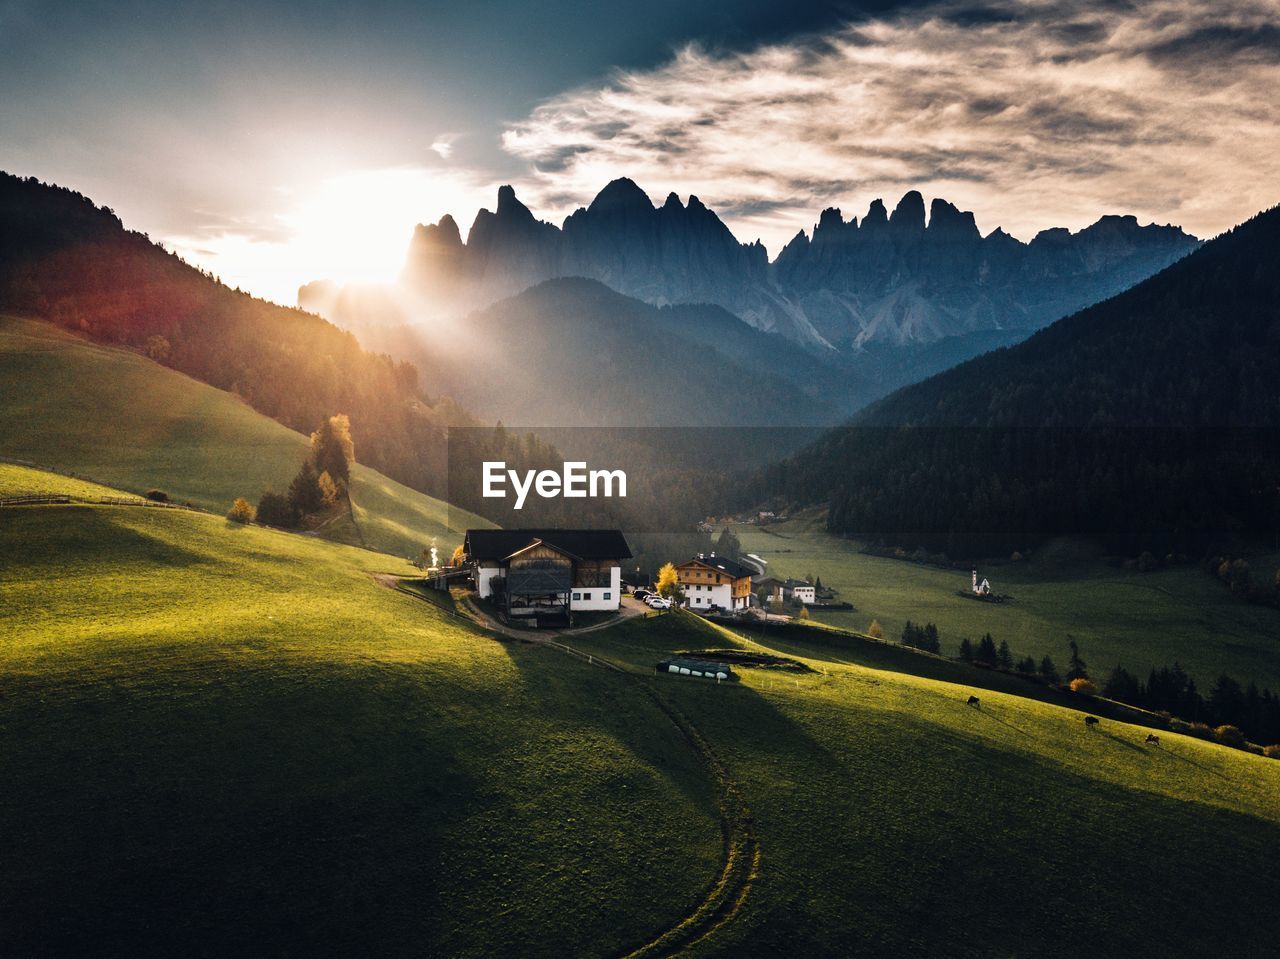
x,y
1151,420
889,279
573,352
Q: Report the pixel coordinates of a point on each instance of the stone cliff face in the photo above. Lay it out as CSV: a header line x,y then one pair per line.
x,y
893,278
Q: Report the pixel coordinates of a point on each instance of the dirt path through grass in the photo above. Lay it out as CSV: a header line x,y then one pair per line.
x,y
741,844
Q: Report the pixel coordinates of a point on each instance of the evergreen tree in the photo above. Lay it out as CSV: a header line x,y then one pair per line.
x,y
728,544
986,653
274,510
1077,668
1004,655
1226,700
1027,666
931,641
1048,671
305,495
1123,687
966,650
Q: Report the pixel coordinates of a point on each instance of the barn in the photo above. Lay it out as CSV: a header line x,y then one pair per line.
x,y
546,575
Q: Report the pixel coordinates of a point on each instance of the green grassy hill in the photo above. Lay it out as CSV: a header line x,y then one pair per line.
x,y
229,740
225,740
896,820
18,480
1137,620
115,417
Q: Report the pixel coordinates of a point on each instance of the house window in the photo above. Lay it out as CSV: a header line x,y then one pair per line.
x,y
577,596
586,595
608,595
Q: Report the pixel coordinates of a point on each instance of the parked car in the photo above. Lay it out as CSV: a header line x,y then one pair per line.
x,y
642,594
657,602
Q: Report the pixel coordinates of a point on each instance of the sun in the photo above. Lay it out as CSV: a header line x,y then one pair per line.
x,y
353,228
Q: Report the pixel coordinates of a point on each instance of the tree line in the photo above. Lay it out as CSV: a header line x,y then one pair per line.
x,y
1168,690
1150,421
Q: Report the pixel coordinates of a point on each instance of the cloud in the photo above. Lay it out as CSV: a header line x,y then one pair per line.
x,y
443,147
1032,113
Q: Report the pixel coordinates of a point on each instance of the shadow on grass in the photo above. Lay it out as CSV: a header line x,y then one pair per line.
x,y
988,713
1126,743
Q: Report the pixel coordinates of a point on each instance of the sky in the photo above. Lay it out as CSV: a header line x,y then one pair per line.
x,y
275,143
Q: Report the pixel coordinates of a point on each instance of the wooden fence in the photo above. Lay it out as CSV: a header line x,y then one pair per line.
x,y
63,499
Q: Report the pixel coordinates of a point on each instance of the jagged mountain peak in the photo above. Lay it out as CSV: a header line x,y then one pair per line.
x,y
444,233
946,218
900,278
830,220
621,195
908,215
509,206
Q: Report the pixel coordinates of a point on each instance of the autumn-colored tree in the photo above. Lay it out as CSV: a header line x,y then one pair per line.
x,y
332,449
804,612
1084,686
669,583
459,556
157,348
330,492
875,630
241,511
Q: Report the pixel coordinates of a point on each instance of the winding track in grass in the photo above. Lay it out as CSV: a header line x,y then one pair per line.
x,y
741,844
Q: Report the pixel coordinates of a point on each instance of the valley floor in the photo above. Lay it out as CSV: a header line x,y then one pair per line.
x,y
1064,591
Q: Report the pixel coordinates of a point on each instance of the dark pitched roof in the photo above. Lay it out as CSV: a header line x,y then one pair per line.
x,y
722,563
588,544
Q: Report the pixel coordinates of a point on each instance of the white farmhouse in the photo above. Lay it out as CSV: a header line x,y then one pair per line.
x,y
548,574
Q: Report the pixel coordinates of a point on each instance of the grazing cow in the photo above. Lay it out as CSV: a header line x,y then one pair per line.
x,y
1091,721
1153,738
975,702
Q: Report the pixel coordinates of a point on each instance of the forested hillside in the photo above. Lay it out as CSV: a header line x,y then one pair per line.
x,y
1149,420
64,259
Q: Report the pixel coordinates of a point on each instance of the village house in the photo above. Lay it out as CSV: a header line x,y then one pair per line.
x,y
772,587
546,575
709,580
801,591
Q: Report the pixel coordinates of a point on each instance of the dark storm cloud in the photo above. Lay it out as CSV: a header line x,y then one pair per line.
x,y
1220,45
